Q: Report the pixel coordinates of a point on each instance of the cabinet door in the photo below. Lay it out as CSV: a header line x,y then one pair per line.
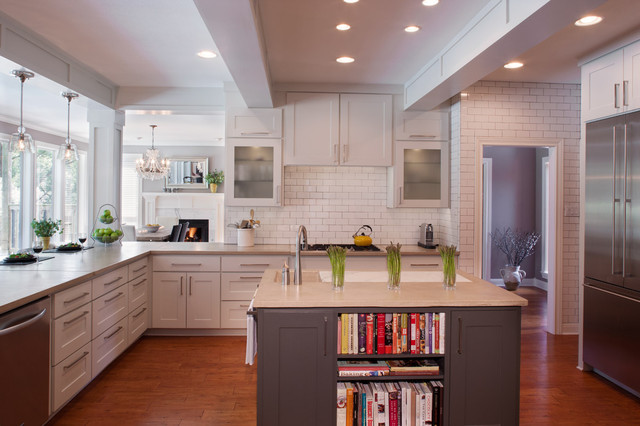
x,y
254,172
296,367
203,300
365,130
312,133
601,86
169,300
254,123
484,367
421,125
632,76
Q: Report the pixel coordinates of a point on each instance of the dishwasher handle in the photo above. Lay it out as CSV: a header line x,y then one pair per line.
x,y
23,324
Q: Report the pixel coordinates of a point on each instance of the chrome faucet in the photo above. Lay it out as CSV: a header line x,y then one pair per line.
x,y
297,275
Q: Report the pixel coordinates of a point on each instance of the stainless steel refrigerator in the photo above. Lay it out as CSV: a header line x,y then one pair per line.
x,y
611,343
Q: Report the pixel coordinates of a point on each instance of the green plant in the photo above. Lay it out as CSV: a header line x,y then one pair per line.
x,y
217,177
394,265
46,227
337,256
448,255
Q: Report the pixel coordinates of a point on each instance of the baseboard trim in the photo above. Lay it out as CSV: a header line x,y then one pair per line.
x,y
195,332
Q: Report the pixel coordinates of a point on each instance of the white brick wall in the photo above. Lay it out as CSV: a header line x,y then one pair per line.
x,y
332,203
509,110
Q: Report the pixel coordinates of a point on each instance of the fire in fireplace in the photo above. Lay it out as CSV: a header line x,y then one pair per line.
x,y
198,230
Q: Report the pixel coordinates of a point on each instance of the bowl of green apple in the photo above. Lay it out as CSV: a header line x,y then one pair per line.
x,y
107,235
106,217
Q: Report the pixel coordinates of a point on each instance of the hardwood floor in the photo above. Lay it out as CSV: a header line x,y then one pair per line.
x,y
204,381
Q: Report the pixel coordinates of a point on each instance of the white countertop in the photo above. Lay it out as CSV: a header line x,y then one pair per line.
x,y
470,291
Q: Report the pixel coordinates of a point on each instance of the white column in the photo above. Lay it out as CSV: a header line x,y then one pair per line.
x,y
104,162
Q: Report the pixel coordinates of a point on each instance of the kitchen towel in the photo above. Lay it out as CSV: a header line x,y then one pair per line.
x,y
252,337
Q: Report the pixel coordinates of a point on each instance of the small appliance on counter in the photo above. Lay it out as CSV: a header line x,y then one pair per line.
x,y
426,236
362,237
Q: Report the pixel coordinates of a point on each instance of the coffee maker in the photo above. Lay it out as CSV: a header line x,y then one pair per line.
x,y
426,236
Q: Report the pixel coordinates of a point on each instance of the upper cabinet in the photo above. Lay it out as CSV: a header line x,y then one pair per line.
x,y
421,126
253,122
330,129
611,83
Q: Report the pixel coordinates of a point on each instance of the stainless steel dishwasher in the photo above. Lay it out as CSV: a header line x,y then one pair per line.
x,y
24,364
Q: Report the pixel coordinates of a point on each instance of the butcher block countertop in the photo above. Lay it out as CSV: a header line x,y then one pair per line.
x,y
417,289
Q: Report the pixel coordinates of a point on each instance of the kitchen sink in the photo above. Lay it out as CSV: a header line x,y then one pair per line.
x,y
307,276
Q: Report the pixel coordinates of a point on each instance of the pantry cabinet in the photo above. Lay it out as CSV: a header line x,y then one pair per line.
x,y
330,129
420,175
253,122
611,83
421,126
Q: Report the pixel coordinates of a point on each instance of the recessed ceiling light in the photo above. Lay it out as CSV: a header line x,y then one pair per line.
x,y
588,20
343,27
412,28
513,65
345,59
430,2
207,54
351,1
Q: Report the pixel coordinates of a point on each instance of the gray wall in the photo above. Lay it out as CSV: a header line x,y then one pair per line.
x,y
513,197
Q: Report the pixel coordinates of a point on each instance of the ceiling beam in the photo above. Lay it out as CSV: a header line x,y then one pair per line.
x,y
503,30
237,33
185,100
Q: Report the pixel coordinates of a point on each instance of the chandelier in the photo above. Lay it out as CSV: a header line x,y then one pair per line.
x,y
21,141
152,166
68,151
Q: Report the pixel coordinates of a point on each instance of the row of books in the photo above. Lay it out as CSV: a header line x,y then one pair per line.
x,y
393,367
389,403
391,333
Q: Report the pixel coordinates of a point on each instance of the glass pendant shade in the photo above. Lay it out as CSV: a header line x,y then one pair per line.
x,y
68,151
22,141
152,165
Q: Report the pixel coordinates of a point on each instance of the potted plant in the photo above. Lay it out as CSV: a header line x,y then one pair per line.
x,y
214,179
45,229
516,246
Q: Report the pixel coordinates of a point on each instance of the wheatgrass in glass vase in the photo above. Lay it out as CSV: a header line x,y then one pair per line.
x,y
394,266
337,257
448,255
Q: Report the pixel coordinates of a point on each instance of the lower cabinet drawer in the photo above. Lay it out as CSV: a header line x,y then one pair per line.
x,y
70,299
254,263
109,281
71,332
239,285
106,347
421,263
138,268
109,309
71,375
234,314
138,292
138,323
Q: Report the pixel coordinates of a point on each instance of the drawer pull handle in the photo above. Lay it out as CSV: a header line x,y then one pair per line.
x,y
113,334
181,278
75,298
140,282
84,354
114,297
460,335
186,264
250,278
425,264
76,318
139,313
254,264
113,282
244,306
140,269
190,280
254,133
423,136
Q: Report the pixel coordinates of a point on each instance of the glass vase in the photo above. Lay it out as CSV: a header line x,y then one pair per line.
x,y
449,273
337,279
394,280
337,257
393,268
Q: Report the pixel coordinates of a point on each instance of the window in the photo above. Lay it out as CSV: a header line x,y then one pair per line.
x,y
11,192
130,190
545,218
45,169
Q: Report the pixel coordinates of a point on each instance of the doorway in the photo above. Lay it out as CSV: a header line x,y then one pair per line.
x,y
519,189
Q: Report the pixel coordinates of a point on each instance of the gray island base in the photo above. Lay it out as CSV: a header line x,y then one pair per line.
x,y
297,347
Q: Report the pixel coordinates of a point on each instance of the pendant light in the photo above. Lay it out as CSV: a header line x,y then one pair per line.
x,y
21,141
151,165
68,151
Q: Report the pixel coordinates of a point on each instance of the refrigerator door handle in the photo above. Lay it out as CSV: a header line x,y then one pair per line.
x,y
624,205
613,207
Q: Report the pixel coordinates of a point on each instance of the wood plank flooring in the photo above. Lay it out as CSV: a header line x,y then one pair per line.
x,y
204,381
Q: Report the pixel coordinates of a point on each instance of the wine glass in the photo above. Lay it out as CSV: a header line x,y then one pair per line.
x,y
82,238
37,249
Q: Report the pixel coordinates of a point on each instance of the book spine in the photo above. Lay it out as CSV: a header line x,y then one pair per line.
x,y
429,327
393,404
339,343
362,333
437,400
380,334
436,333
354,334
394,330
404,333
429,415
349,414
413,333
388,333
369,334
341,412
442,331
363,373
421,349
345,334
370,401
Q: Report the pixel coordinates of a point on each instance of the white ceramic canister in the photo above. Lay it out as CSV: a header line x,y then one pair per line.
x,y
246,237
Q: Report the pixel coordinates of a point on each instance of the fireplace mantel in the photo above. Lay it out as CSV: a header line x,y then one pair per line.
x,y
198,205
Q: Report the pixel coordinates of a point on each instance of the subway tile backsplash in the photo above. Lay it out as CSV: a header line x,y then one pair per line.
x,y
332,203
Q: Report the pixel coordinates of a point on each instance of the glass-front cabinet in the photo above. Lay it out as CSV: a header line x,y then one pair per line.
x,y
253,172
420,175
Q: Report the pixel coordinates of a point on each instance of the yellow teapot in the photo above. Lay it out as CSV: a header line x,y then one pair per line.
x,y
362,237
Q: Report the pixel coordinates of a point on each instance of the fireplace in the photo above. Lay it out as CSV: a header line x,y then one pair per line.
x,y
198,231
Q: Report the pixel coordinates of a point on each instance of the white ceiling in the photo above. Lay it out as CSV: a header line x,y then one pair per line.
x,y
153,43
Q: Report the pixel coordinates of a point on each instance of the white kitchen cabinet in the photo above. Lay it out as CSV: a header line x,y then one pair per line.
x,y
421,126
420,175
253,122
186,300
329,129
70,376
108,346
253,172
611,83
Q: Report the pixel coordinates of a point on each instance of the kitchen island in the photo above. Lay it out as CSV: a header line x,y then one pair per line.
x,y
297,345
